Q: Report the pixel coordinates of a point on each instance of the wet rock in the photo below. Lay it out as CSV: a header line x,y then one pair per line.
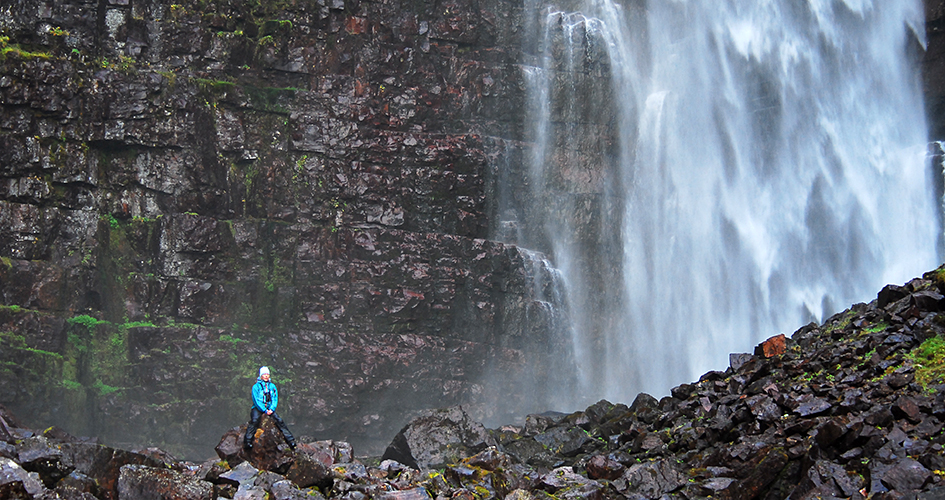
x,y
306,472
651,480
270,450
906,475
604,467
564,441
16,482
490,459
438,437
242,474
230,447
36,454
411,494
774,346
140,482
890,294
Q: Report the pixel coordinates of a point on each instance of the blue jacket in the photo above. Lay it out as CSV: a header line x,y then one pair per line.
x,y
260,389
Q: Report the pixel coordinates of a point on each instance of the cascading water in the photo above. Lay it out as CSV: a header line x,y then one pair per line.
x,y
708,173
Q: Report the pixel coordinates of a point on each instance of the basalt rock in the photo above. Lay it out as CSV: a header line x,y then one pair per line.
x,y
436,438
190,190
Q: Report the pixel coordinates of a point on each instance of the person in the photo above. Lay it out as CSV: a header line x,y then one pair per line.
x,y
265,400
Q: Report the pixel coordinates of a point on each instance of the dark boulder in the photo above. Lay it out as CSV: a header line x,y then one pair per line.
x,y
306,471
651,479
604,467
140,482
438,437
890,294
230,447
16,483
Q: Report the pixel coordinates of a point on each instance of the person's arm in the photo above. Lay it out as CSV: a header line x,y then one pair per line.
x,y
275,397
258,400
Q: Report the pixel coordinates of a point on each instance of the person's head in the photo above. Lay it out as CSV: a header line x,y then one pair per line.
x,y
264,373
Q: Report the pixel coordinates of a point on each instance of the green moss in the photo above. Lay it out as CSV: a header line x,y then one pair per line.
x,y
111,220
104,389
267,98
14,309
840,323
10,340
929,359
8,49
136,324
215,85
878,327
72,385
232,340
85,320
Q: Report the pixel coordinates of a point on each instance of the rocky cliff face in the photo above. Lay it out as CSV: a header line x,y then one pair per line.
x,y
190,190
933,67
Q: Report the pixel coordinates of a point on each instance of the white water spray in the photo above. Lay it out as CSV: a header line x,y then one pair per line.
x,y
708,173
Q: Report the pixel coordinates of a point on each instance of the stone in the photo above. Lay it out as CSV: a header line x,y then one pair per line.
x,y
230,447
490,459
604,467
737,360
651,480
906,475
242,474
890,294
764,408
437,438
411,494
774,346
808,405
15,482
306,472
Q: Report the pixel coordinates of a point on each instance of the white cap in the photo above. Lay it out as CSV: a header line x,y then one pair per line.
x,y
263,371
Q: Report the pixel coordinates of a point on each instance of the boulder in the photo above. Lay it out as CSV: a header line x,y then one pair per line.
x,y
651,479
230,447
438,437
270,451
604,467
774,346
16,482
306,471
37,454
140,482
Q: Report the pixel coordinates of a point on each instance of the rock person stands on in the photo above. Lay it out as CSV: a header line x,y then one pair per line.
x,y
265,400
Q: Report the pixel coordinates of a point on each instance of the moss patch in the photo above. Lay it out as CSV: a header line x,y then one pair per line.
x,y
929,359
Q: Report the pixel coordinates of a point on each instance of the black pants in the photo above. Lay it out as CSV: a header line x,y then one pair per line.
x,y
254,417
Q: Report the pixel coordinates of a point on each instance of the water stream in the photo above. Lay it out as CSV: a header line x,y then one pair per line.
x,y
709,173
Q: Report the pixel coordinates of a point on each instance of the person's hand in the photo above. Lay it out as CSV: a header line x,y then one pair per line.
x,y
268,412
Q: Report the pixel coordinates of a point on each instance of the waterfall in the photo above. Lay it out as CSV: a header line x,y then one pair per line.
x,y
708,173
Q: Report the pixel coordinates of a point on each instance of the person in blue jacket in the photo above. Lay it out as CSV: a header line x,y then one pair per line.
x,y
265,400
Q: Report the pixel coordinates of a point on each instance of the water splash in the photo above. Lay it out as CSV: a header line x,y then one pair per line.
x,y
706,174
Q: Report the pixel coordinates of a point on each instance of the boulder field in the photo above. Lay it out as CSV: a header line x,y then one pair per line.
x,y
851,408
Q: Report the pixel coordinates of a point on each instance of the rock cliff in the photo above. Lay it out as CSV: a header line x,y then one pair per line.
x,y
191,189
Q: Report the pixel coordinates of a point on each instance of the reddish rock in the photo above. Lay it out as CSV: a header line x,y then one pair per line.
x,y
774,346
